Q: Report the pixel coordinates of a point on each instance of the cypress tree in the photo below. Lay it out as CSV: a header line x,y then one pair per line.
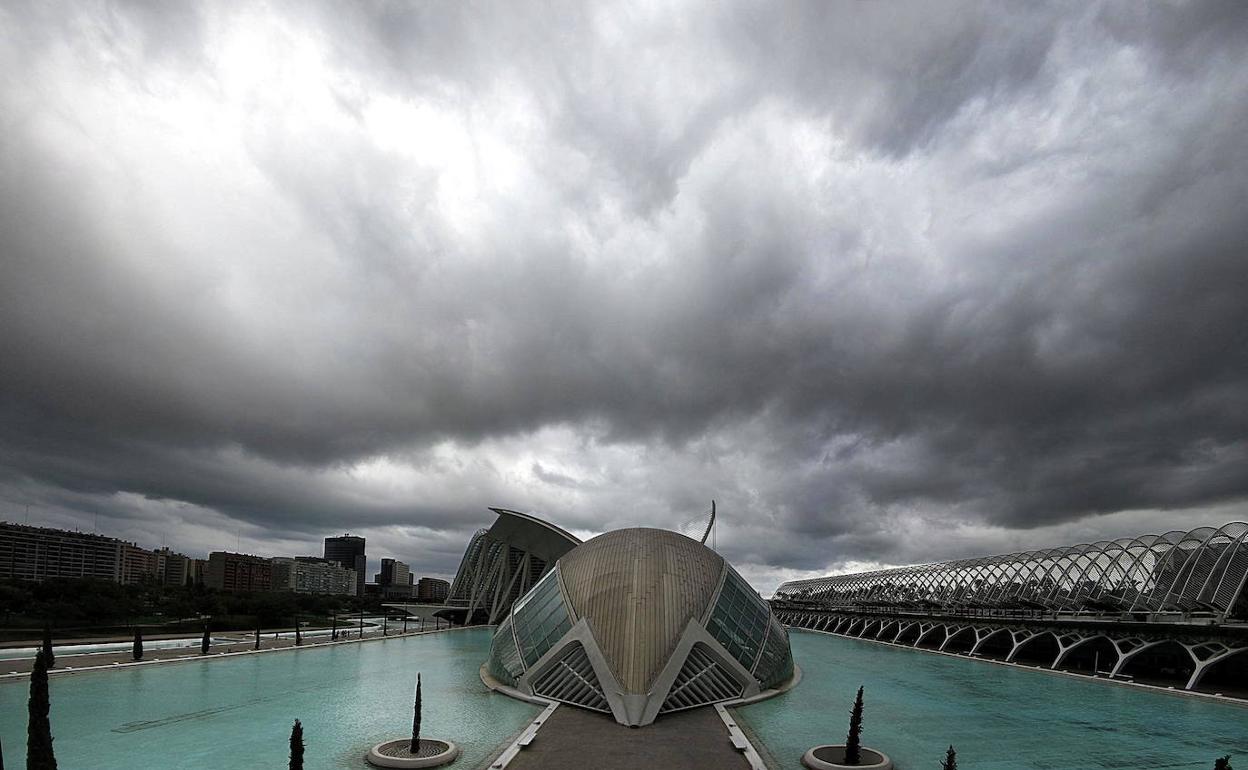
x,y
296,747
257,636
951,760
298,636
47,645
39,755
203,643
138,644
333,630
853,748
414,747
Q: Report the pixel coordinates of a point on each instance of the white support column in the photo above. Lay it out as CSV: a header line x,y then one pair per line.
x,y
1028,636
979,641
949,636
1202,666
1066,643
1131,653
901,629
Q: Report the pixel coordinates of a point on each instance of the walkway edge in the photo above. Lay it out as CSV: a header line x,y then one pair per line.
x,y
57,672
525,738
739,740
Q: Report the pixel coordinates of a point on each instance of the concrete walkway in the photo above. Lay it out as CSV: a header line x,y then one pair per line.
x,y
576,739
67,663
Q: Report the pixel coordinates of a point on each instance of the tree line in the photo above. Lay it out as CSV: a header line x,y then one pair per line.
x,y
83,602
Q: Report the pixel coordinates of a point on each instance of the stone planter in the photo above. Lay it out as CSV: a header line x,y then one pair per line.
x,y
832,757
433,753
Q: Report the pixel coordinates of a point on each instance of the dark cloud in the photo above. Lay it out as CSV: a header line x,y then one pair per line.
x,y
890,283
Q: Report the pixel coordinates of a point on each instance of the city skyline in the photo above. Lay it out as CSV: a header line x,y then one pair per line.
x,y
891,285
127,574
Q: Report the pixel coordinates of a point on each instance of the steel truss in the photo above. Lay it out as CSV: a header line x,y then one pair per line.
x,y
1198,572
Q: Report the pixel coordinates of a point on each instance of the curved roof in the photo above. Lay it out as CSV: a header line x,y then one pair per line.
x,y
1204,570
638,589
529,533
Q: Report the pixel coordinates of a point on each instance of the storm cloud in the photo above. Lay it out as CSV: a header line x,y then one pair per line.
x,y
892,283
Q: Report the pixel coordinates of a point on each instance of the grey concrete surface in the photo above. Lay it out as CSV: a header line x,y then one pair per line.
x,y
576,738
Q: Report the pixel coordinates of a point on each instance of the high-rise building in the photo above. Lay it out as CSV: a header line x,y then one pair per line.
x,y
394,580
394,573
311,575
432,590
348,550
139,565
238,572
41,553
174,569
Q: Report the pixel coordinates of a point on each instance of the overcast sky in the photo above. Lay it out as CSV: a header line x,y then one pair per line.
x,y
892,283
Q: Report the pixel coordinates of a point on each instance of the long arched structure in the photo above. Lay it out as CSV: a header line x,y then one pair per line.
x,y
1196,573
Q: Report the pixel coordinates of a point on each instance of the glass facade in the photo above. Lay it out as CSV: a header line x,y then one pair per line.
x,y
775,665
504,663
739,620
611,584
540,618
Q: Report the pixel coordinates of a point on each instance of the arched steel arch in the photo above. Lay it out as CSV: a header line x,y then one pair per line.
x,y
1202,571
502,563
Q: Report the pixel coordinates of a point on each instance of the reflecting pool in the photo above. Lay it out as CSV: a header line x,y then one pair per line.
x,y
998,717
237,711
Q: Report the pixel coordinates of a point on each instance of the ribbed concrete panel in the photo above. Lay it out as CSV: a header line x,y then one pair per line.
x,y
638,588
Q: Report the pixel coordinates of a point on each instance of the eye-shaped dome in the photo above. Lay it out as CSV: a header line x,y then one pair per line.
x,y
640,622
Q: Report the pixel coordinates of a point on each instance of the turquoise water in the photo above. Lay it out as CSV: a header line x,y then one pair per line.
x,y
236,712
997,717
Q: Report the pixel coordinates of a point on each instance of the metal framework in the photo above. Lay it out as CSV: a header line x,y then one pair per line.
x,y
501,564
1197,572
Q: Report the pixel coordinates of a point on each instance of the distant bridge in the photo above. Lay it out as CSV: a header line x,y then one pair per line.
x,y
1162,609
415,609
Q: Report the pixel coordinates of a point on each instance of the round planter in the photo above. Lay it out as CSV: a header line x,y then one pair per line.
x,y
433,753
832,755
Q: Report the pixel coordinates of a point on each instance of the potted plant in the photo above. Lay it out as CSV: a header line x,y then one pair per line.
x,y
851,753
413,750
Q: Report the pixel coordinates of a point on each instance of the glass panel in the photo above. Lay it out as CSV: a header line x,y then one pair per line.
x,y
739,620
504,657
540,618
775,664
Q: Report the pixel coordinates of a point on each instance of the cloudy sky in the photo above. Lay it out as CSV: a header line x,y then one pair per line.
x,y
892,283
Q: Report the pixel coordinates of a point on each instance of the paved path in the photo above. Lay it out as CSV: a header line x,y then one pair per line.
x,y
65,661
574,738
